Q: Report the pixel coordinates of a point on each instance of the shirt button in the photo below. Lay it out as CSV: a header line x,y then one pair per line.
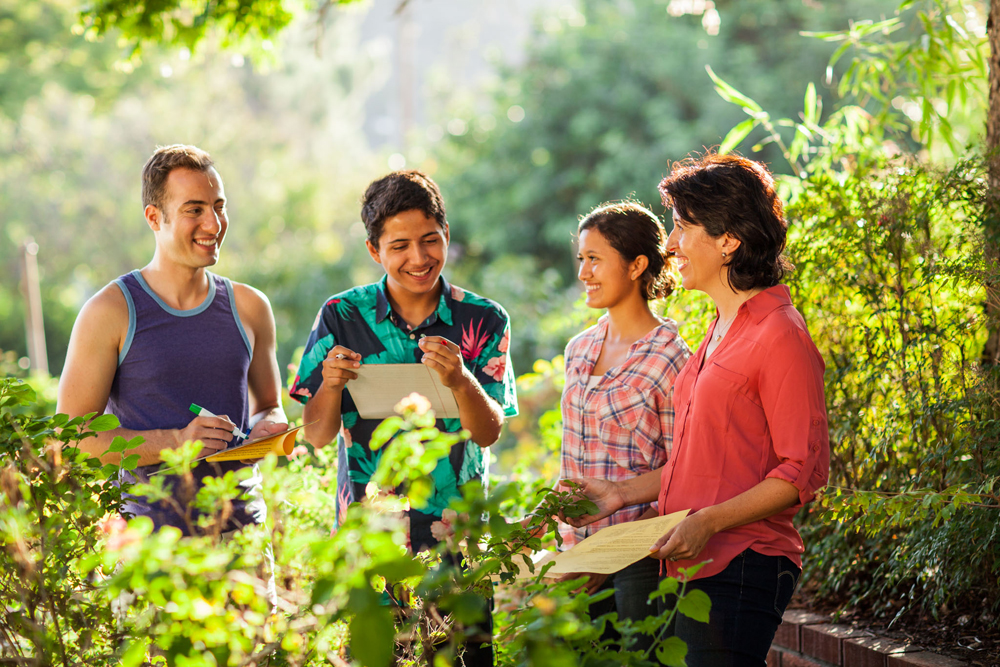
x,y
412,336
815,446
815,421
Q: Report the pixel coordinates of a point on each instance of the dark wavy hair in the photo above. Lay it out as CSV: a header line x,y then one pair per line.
x,y
633,230
397,193
734,195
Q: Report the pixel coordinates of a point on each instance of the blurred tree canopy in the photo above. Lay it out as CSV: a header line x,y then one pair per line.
x,y
609,96
286,140
248,24
39,46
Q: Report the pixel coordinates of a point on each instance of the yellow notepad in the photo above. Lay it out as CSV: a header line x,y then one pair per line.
x,y
279,443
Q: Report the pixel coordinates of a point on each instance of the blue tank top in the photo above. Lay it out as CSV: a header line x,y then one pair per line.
x,y
170,359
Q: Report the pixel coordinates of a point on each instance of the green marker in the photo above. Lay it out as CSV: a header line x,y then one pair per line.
x,y
202,412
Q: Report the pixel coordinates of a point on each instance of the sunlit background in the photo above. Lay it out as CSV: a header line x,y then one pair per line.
x,y
527,112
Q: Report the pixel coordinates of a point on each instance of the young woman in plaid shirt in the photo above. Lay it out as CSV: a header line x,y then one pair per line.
x,y
616,405
751,443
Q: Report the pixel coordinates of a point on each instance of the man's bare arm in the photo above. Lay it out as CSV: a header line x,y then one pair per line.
x,y
263,376
85,383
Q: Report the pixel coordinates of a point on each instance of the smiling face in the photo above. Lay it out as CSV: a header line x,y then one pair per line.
x,y
604,272
192,223
698,256
412,249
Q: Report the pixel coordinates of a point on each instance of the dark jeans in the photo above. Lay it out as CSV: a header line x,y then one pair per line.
x,y
748,599
631,599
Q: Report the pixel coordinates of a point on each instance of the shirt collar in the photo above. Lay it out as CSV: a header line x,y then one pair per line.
x,y
762,304
443,312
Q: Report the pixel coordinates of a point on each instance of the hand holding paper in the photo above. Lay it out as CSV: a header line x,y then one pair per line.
x,y
445,357
616,547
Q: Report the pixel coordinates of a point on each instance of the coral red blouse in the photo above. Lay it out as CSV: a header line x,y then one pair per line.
x,y
754,410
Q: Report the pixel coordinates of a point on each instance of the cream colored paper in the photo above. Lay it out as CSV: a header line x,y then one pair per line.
x,y
380,387
616,547
279,443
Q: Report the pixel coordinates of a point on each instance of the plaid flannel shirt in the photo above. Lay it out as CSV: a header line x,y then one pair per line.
x,y
623,427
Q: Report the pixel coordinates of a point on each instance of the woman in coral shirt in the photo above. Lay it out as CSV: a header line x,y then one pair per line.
x,y
750,439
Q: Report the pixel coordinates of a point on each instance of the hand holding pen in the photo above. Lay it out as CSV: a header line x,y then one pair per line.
x,y
214,431
339,367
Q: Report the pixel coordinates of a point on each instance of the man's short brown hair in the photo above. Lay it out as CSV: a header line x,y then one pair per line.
x,y
163,161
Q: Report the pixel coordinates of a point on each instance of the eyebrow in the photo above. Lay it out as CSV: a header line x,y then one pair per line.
x,y
405,239
189,202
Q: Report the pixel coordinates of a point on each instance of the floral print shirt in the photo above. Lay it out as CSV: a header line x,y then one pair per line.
x,y
361,319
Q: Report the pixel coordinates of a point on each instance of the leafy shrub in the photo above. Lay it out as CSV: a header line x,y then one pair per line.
x,y
82,585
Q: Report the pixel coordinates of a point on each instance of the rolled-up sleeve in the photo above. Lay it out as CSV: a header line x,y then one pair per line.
x,y
321,340
791,391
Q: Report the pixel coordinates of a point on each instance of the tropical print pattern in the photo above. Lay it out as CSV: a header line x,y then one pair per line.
x,y
361,319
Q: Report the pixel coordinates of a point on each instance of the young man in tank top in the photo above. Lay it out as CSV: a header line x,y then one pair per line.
x,y
172,334
412,315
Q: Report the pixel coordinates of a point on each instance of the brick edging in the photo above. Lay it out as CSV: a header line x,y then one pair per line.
x,y
805,639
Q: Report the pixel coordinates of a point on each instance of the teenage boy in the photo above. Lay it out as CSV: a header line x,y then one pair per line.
x,y
412,315
156,340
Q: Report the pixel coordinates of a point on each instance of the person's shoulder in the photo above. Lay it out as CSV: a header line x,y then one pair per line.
x,y
785,328
357,295
250,301
581,341
108,302
785,320
668,332
668,341
104,314
471,299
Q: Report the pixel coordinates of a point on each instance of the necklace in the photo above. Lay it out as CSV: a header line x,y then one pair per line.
x,y
720,334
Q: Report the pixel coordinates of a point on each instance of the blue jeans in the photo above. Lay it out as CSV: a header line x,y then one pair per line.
x,y
748,599
633,586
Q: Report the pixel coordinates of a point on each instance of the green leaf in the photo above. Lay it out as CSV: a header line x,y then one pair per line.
x,y
672,651
730,94
104,423
130,462
135,654
384,431
695,604
668,586
117,445
809,109
736,135
372,634
323,589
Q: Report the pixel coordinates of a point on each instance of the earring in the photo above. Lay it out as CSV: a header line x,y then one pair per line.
x,y
723,255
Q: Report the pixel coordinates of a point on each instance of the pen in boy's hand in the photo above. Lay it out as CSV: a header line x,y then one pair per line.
x,y
202,412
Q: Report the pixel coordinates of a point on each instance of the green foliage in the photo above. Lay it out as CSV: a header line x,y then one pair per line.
x,y
250,24
39,49
53,501
82,585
